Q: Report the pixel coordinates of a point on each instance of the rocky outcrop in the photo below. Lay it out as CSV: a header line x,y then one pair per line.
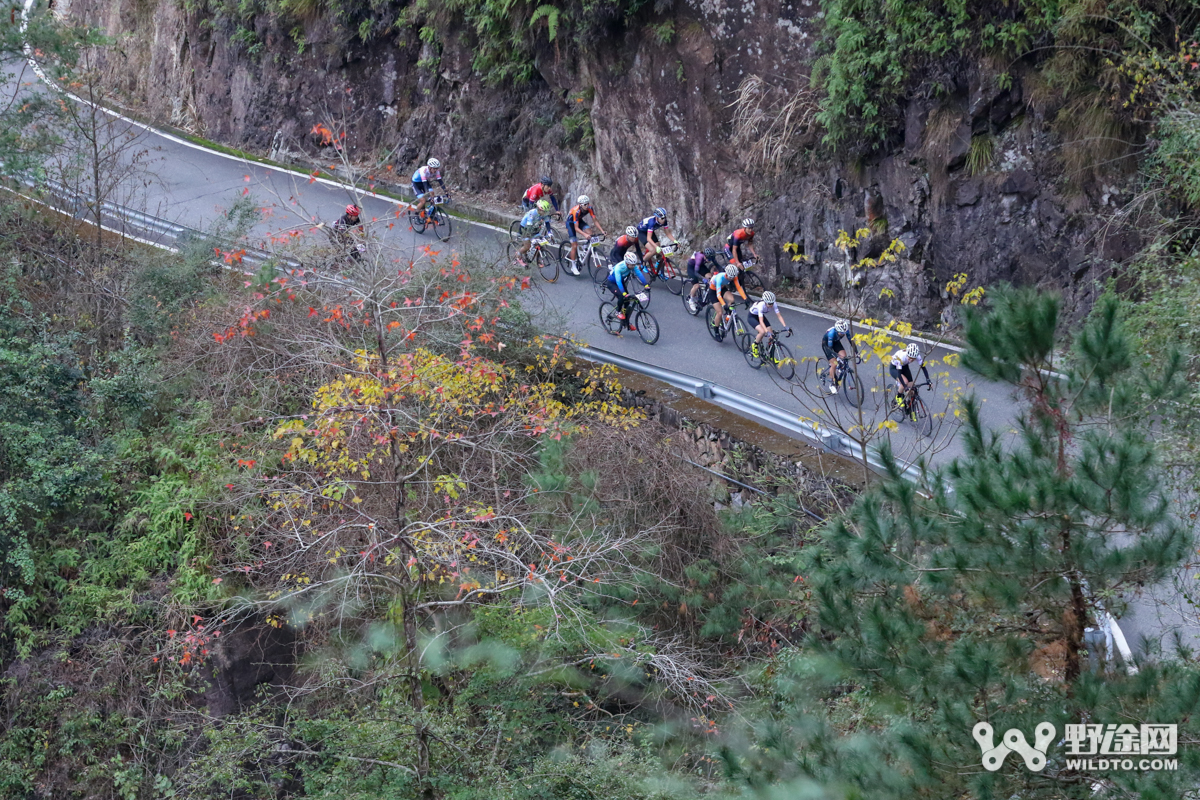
x,y
973,186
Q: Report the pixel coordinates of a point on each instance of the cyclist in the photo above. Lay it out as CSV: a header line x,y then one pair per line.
x,y
699,268
625,275
831,344
901,369
346,227
531,225
720,285
542,190
422,181
742,237
623,243
648,231
758,316
576,224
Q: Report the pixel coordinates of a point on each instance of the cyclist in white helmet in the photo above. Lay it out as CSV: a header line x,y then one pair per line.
x,y
577,223
422,181
901,369
758,317
720,287
742,237
831,345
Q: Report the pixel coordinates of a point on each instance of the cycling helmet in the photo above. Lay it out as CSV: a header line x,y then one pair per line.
x,y
710,254
748,223
631,231
543,206
545,181
842,326
768,297
660,213
631,258
433,163
353,210
584,200
913,351
731,271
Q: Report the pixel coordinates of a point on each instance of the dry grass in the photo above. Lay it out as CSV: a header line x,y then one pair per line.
x,y
771,123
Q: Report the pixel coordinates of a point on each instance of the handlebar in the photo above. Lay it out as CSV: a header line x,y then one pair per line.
x,y
599,237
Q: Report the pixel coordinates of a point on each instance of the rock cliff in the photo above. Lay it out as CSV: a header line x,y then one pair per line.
x,y
706,111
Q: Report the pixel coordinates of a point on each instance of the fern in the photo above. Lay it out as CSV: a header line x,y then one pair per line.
x,y
551,14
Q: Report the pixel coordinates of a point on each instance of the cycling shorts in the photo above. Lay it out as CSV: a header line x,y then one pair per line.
x,y
644,236
583,228
831,352
896,372
420,188
756,320
729,251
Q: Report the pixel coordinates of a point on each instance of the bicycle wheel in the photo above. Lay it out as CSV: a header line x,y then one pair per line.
x,y
547,265
510,253
922,417
514,232
852,390
441,225
608,318
752,283
754,361
781,359
564,250
673,278
417,223
692,305
738,330
598,268
647,326
709,318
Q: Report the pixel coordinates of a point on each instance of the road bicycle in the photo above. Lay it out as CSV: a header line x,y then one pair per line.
x,y
770,351
914,409
750,279
845,378
643,320
731,323
514,230
589,257
662,268
693,305
435,216
540,253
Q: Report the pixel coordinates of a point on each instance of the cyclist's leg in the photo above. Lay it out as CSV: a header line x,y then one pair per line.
x,y
573,238
421,188
615,254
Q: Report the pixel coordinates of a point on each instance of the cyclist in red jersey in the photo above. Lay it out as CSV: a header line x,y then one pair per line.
x,y
576,224
542,190
625,243
742,237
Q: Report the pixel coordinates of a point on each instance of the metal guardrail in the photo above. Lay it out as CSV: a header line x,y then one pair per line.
x,y
832,441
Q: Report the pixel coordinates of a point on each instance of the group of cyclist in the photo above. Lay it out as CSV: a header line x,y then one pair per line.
x,y
634,252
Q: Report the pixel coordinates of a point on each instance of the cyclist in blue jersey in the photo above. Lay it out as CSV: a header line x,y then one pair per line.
x,y
532,224
648,231
699,268
758,318
721,285
627,277
831,345
422,181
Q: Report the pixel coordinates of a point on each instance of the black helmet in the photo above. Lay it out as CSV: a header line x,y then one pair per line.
x,y
545,181
710,253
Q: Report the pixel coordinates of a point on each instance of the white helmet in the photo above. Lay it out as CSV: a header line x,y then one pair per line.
x,y
631,258
768,297
913,351
584,200
631,231
842,326
731,271
748,223
433,163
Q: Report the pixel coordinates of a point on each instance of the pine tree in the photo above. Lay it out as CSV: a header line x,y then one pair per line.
x,y
965,599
